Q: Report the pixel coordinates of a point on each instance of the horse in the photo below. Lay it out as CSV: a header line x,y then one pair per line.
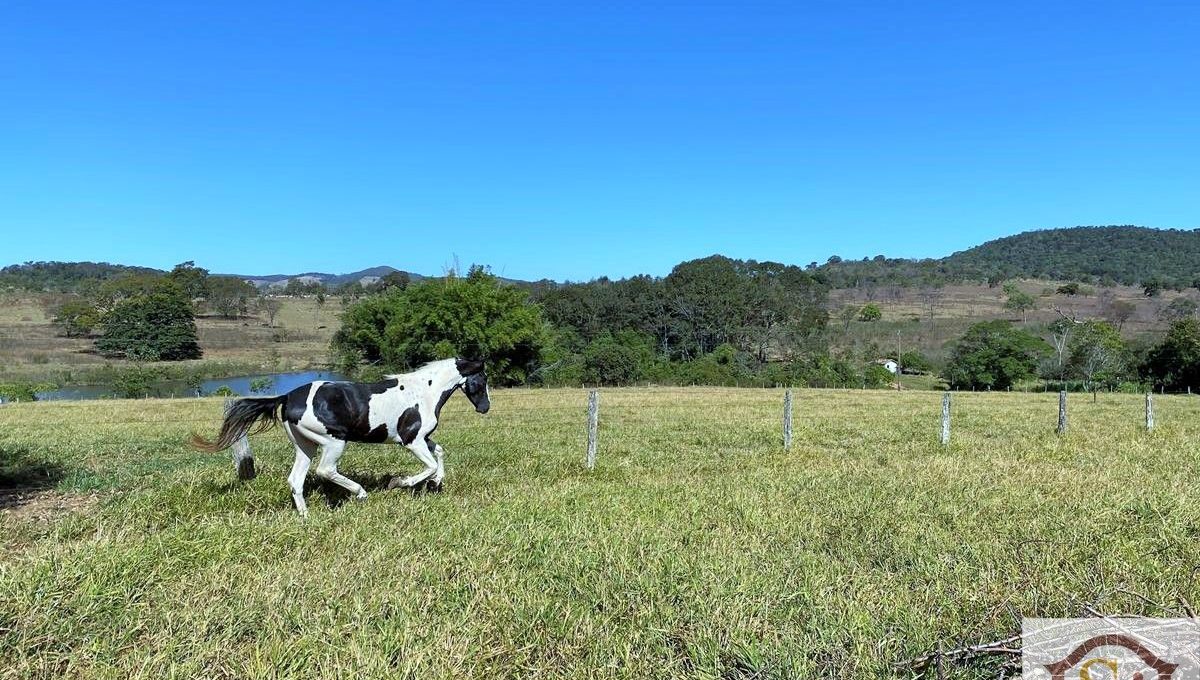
x,y
326,415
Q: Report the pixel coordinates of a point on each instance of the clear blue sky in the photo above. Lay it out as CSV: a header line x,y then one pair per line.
x,y
571,140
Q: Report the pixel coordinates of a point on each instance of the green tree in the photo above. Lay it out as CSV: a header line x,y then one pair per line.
x,y
994,354
619,359
130,286
156,327
1098,355
76,318
913,361
1174,363
191,280
230,296
475,316
1069,289
1019,301
399,280
870,312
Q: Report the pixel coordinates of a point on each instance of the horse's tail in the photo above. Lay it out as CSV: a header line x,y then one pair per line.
x,y
240,417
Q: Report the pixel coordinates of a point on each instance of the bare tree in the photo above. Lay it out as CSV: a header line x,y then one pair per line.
x,y
1117,312
269,306
930,297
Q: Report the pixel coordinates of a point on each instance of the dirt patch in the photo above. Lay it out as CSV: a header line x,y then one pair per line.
x,y
42,505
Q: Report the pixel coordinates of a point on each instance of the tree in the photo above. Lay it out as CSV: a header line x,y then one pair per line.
x,y
1152,288
1019,301
1069,289
191,280
156,327
474,317
915,362
320,304
847,316
994,354
399,280
76,318
1174,362
1118,312
230,296
129,286
269,306
618,360
870,312
1180,308
1098,355
930,297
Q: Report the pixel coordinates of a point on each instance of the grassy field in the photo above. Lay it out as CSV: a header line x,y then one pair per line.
x,y
696,548
31,348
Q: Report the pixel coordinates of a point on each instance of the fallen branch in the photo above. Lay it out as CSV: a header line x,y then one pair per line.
x,y
960,653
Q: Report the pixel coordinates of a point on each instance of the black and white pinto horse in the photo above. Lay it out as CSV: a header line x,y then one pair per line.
x,y
326,415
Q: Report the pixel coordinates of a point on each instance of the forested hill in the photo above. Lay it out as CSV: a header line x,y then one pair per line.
x,y
1099,255
64,276
1113,254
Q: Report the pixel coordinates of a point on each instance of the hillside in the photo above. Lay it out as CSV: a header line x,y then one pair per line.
x,y
1126,255
75,277
364,276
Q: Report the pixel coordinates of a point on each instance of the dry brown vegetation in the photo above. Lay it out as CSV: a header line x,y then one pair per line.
x,y
32,347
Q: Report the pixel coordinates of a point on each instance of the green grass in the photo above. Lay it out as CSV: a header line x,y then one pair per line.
x,y
697,547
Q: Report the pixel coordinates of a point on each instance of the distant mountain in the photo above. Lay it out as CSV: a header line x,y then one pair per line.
x,y
364,276
1112,254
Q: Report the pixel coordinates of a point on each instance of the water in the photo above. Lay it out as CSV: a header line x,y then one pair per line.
x,y
280,384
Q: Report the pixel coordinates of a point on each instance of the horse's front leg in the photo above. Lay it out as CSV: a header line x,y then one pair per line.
x,y
420,449
434,483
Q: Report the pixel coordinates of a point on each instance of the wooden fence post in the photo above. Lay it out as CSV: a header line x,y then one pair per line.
x,y
1149,411
593,426
945,419
1062,412
787,420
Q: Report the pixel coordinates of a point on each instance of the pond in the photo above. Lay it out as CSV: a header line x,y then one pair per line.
x,y
280,383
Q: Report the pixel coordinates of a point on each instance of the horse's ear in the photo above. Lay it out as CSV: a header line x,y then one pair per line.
x,y
469,366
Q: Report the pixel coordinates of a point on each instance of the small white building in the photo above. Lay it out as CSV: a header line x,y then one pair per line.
x,y
890,364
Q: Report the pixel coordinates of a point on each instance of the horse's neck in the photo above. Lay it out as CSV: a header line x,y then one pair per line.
x,y
426,386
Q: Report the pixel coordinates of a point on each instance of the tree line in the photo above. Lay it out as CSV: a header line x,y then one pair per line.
x,y
714,320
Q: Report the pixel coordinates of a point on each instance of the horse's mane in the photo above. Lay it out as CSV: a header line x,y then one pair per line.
x,y
419,369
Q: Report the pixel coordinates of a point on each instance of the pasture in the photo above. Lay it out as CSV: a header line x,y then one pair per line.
x,y
32,348
697,547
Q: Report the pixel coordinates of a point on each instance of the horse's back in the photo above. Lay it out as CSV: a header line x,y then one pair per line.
x,y
342,408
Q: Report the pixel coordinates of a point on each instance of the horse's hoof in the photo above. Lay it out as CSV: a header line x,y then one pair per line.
x,y
394,483
433,487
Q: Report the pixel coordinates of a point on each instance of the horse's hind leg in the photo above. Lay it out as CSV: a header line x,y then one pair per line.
x,y
305,448
331,452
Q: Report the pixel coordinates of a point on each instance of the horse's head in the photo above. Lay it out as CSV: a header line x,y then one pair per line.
x,y
474,383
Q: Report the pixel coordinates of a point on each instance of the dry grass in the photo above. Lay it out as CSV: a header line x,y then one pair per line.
x,y
31,347
696,548
959,306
